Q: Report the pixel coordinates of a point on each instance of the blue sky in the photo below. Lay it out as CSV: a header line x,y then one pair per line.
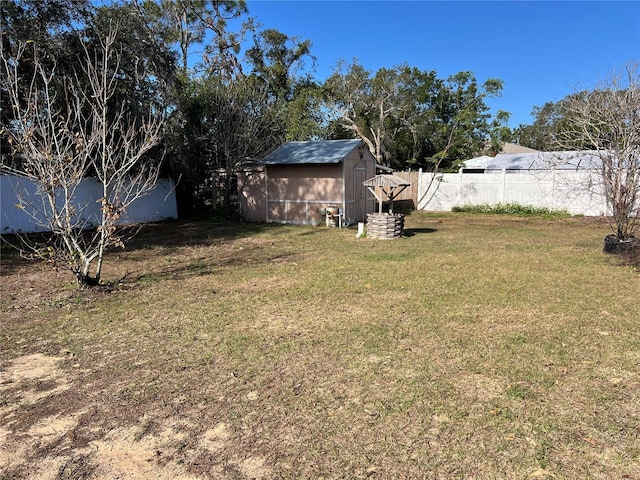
x,y
541,50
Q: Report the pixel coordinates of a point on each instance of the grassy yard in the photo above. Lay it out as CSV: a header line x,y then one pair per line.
x,y
477,347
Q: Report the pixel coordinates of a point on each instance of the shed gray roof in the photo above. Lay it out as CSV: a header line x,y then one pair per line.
x,y
318,152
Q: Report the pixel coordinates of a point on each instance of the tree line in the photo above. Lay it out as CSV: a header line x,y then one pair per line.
x,y
223,106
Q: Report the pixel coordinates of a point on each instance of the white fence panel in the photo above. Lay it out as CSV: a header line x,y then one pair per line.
x,y
158,204
578,192
485,189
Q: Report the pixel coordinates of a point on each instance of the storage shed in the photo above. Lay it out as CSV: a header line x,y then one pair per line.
x,y
300,180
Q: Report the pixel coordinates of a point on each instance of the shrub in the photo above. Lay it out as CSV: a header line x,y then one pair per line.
x,y
512,209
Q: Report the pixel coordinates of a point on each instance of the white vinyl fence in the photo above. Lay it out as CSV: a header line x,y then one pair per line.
x,y
578,192
158,204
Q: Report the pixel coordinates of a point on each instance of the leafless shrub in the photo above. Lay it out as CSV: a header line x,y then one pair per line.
x,y
65,129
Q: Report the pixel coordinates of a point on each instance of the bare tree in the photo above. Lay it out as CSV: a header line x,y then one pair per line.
x,y
362,104
65,130
606,122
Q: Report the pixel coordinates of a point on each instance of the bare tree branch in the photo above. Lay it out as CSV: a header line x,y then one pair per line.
x,y
606,122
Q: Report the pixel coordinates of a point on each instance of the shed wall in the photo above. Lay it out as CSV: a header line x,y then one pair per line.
x,y
297,193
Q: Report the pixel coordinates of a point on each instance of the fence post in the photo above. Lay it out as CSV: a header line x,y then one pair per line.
x,y
553,189
503,185
419,198
459,196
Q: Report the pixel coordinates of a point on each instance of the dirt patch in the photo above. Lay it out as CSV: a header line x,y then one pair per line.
x,y
122,455
27,382
24,384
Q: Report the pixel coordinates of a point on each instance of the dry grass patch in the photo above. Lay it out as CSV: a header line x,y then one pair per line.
x,y
476,347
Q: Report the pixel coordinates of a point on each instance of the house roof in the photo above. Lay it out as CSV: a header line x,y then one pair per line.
x,y
477,162
567,160
315,152
514,148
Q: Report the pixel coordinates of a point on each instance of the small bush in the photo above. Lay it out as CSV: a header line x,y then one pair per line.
x,y
511,209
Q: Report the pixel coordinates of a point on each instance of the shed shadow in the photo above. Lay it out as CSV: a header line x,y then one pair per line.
x,y
410,232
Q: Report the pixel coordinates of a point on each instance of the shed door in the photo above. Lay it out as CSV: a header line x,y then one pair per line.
x,y
359,193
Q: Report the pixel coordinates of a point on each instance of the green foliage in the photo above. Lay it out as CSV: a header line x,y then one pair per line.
x,y
188,25
408,117
275,59
556,124
302,116
218,128
412,118
541,133
511,209
147,68
518,392
47,27
277,62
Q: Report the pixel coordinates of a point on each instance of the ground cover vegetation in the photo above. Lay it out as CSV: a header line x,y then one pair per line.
x,y
477,346
511,208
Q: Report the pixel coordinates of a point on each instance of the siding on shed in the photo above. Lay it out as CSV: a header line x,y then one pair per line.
x,y
296,193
